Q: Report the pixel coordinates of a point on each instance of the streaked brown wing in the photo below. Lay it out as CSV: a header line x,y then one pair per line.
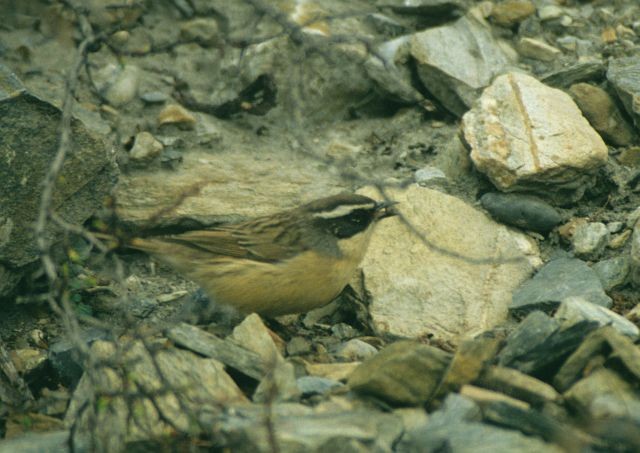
x,y
248,241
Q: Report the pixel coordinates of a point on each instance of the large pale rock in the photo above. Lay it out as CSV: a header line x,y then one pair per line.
x,y
526,135
457,284
245,176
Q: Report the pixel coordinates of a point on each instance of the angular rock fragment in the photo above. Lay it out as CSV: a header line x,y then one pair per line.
x,y
613,272
455,62
557,280
404,373
511,12
519,385
604,346
543,358
529,334
603,114
525,135
624,74
575,309
447,432
537,50
585,71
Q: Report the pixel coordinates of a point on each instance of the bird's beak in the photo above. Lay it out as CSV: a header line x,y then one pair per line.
x,y
386,209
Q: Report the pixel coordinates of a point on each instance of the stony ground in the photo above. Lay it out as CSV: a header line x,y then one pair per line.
x,y
499,311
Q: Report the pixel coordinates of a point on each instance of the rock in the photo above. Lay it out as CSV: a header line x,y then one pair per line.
x,y
333,371
243,430
145,148
543,359
313,385
613,349
226,351
154,97
630,157
29,127
138,409
604,395
176,114
469,360
299,346
557,280
634,256
253,335
389,68
355,349
441,432
615,227
45,442
429,176
534,423
590,239
518,385
34,368
446,70
453,286
537,50
619,240
279,384
523,211
118,84
344,331
605,117
405,373
202,30
533,331
526,136
575,309
624,74
229,185
511,12
580,72
483,397
63,356
613,272
550,12
428,8
14,391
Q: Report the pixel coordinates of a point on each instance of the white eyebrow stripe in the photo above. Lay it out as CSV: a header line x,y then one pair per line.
x,y
343,210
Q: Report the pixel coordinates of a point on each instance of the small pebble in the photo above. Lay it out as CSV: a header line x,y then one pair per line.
x,y
176,114
590,239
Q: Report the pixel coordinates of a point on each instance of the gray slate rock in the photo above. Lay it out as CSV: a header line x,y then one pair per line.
x,y
557,280
314,385
531,332
575,309
580,72
523,211
455,62
624,75
613,272
471,437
